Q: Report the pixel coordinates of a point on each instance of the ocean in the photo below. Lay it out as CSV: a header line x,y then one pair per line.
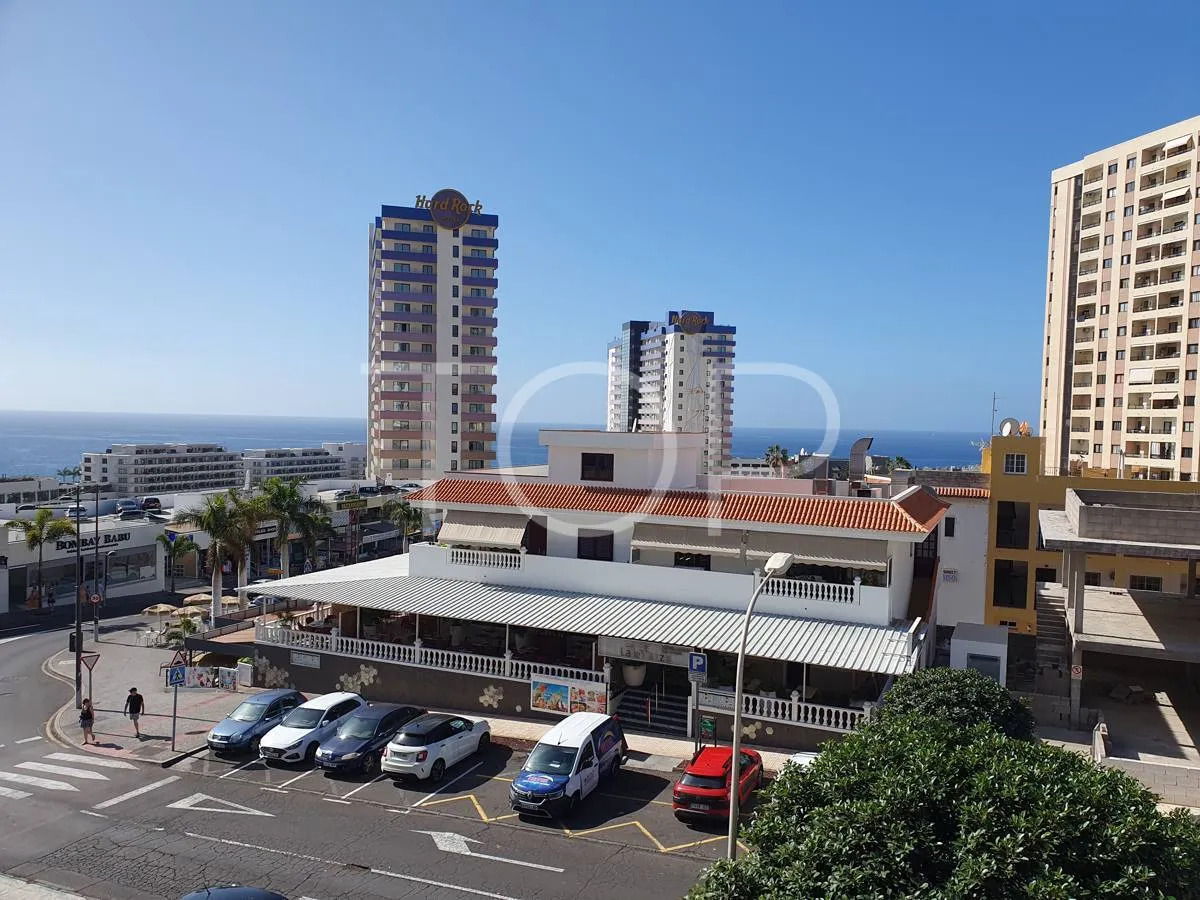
x,y
41,443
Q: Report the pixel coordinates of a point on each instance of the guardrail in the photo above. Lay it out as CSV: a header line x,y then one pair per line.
x,y
803,589
791,710
424,657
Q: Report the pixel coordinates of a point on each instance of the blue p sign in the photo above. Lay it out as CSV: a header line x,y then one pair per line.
x,y
697,663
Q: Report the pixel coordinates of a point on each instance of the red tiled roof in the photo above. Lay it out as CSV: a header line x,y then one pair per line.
x,y
964,493
917,512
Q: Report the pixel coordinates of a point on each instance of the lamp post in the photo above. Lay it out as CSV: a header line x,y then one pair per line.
x,y
107,565
96,565
78,604
779,562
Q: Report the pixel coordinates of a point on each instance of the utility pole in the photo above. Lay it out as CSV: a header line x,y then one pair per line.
x,y
96,567
992,433
78,604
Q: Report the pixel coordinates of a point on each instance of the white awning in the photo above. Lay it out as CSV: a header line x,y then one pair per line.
x,y
1163,395
849,552
1175,195
1176,143
1139,376
483,529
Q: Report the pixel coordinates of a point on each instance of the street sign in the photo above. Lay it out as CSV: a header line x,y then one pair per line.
x,y
1076,671
698,667
90,660
708,727
96,599
176,676
179,659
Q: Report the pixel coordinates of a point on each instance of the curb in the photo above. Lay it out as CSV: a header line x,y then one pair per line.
x,y
180,757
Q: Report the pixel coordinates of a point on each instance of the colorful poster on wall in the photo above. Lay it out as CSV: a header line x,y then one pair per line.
x,y
589,698
200,677
227,679
550,696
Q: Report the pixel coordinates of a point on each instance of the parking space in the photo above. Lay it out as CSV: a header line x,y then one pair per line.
x,y
634,808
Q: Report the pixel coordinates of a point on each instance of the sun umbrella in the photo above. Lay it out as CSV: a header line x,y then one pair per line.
x,y
159,610
198,600
189,612
231,601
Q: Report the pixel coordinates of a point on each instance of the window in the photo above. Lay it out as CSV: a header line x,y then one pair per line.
x,y
453,331
693,561
427,270
1111,192
1112,168
1102,356
404,226
1045,574
595,545
400,267
1108,239
1193,348
1145,583
1109,216
1120,354
1103,333
1194,323
454,409
1126,235
1129,187
427,229
1128,211
427,289
455,251
454,290
1014,464
1099,403
427,248
1123,306
455,272
1189,426
1101,378
1104,309
1108,263
1195,296
478,232
1091,579
948,527
1119,378
1125,259
1131,162
1010,584
596,467
1122,330
1190,375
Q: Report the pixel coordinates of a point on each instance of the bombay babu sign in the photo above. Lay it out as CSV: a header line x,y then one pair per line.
x,y
449,208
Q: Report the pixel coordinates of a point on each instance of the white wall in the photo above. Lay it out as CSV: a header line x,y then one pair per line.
x,y
675,468
961,648
965,554
901,553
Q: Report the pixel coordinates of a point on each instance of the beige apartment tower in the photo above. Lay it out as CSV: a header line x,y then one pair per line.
x,y
1122,331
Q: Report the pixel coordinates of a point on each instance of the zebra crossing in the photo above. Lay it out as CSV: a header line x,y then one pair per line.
x,y
58,773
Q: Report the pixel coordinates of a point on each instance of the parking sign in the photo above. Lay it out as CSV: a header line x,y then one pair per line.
x,y
698,667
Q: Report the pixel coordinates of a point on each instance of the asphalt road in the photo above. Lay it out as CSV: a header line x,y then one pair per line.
x,y
118,830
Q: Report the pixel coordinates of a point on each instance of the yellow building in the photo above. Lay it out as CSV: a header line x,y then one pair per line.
x,y
1015,564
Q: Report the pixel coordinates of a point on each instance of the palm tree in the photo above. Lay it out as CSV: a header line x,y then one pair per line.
x,y
40,530
404,516
315,528
282,500
777,458
229,521
898,462
175,550
64,475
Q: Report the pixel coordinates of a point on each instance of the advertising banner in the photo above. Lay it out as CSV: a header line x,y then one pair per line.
x,y
563,697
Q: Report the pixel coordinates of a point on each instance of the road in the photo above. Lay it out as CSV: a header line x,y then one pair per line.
x,y
112,829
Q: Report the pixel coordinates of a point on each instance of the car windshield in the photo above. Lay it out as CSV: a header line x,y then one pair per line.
x,y
405,739
303,717
248,712
551,760
709,782
358,728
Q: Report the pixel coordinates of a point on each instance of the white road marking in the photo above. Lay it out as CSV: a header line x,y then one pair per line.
x,y
198,802
377,778
238,769
12,794
450,842
297,778
400,876
442,787
85,774
88,812
335,800
274,790
36,737
34,781
144,789
100,761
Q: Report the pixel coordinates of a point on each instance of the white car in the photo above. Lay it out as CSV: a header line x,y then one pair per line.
x,y
297,737
801,760
430,744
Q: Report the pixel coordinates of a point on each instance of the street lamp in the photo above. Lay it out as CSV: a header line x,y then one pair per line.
x,y
779,562
78,602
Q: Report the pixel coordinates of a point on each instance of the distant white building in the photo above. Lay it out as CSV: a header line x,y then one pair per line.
x,y
152,469
330,460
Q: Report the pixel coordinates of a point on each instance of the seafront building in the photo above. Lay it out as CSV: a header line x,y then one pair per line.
x,y
167,468
431,338
1122,327
331,460
675,376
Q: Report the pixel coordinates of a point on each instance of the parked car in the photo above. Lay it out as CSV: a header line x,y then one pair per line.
x,y
568,763
359,742
75,512
703,791
232,892
26,507
429,744
411,486
149,503
389,489
802,760
131,514
124,506
301,731
241,730
342,495
368,490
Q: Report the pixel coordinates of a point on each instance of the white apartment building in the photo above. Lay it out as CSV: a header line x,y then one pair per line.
x,y
330,460
431,342
679,377
588,587
140,469
1122,335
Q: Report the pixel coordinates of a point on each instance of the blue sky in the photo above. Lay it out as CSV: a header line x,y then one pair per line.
x,y
186,189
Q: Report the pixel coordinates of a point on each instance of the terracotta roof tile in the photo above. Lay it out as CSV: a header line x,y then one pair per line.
x,y
963,493
917,513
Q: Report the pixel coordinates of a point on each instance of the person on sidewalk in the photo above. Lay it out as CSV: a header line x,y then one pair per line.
x,y
134,704
87,718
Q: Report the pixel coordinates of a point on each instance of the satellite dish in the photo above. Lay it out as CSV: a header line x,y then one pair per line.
x,y
1009,427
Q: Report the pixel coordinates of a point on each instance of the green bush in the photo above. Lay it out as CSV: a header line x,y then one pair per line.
x,y
912,807
962,697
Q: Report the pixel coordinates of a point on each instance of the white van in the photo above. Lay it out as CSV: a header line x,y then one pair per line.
x,y
568,763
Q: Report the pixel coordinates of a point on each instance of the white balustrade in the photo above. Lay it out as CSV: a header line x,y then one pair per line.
x,y
491,559
792,711
803,589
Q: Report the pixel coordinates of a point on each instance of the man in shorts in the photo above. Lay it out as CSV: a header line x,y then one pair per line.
x,y
134,704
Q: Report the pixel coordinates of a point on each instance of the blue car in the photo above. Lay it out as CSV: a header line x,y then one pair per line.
x,y
254,717
359,742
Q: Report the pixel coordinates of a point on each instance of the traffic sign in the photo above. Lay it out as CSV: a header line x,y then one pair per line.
x,y
176,676
89,660
698,667
96,599
1076,671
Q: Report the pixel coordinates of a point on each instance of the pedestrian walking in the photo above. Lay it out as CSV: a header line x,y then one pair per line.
x,y
51,599
87,718
134,704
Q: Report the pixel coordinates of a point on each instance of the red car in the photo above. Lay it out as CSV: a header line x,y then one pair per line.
x,y
703,789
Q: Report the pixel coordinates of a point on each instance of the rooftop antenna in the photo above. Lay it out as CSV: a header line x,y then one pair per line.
x,y
994,398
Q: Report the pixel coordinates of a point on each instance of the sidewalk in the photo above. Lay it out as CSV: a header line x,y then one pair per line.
x,y
17,889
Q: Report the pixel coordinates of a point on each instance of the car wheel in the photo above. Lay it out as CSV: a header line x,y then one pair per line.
x,y
438,772
373,763
254,742
310,752
572,804
485,741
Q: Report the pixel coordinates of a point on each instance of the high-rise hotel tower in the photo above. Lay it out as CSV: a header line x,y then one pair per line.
x,y
432,345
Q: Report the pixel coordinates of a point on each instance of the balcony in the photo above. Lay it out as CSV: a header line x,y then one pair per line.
x,y
412,415
484,321
479,359
479,340
406,256
487,262
415,297
478,398
1149,208
480,302
796,597
418,277
407,356
480,242
478,416
412,237
473,281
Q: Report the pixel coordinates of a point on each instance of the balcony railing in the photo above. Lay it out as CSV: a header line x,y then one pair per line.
x,y
792,710
803,589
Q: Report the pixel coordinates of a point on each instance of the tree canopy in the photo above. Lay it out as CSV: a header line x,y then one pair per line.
x,y
962,697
